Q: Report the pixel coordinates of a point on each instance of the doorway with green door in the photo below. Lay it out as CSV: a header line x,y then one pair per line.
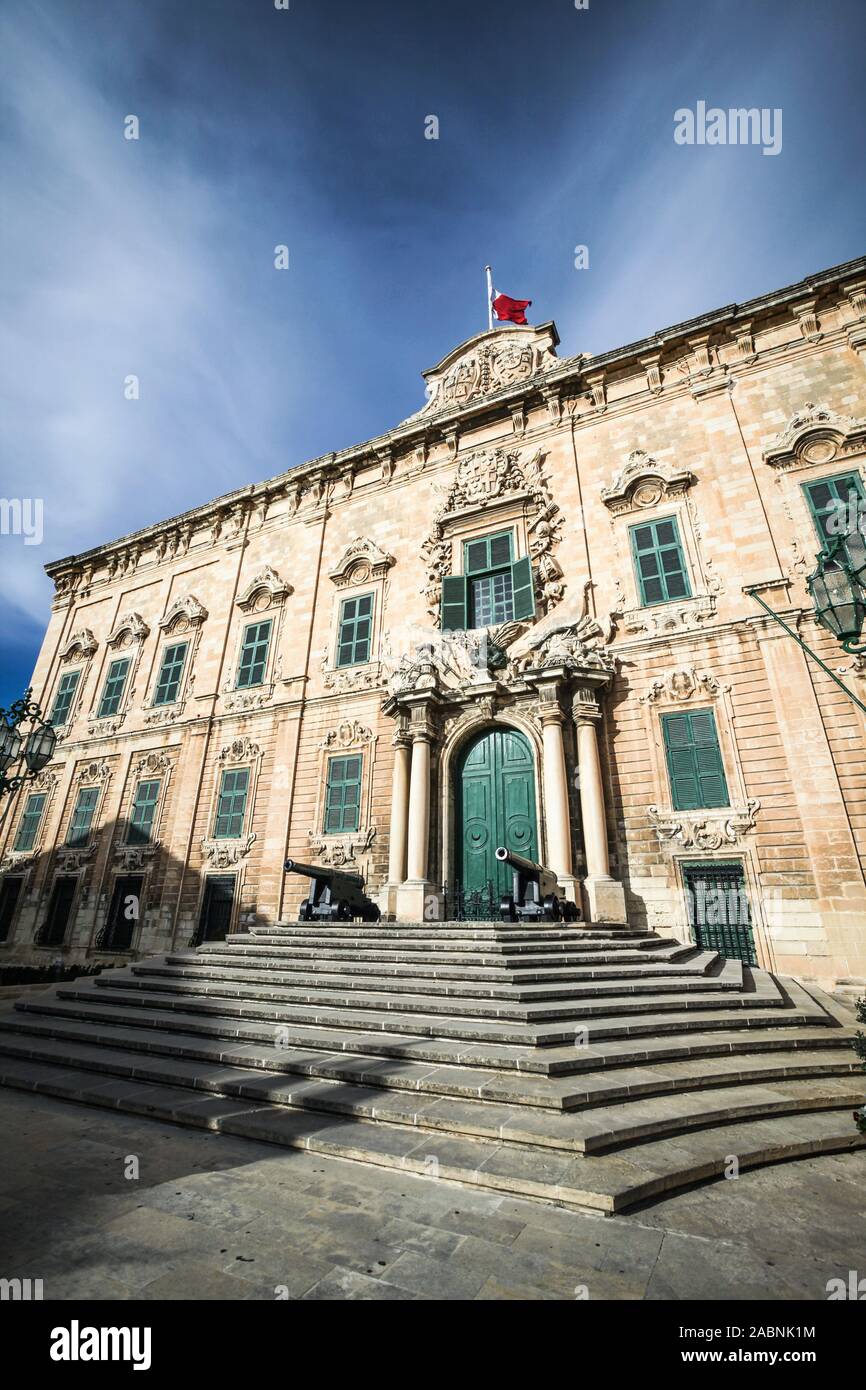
x,y
495,805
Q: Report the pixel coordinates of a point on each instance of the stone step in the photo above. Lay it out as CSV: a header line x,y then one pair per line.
x,y
702,1016
580,1004
543,951
433,964
473,931
517,1087
432,939
601,1128
584,984
604,1183
711,1049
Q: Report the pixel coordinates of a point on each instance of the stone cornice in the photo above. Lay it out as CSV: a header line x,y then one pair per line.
x,y
318,476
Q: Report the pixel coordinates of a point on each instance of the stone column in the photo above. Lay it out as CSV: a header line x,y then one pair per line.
x,y
556,794
605,898
416,898
398,835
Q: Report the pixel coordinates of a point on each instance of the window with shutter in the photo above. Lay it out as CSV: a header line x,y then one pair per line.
x,y
836,504
82,817
29,823
356,629
168,682
453,605
254,654
112,691
63,699
659,562
494,587
694,760
343,795
232,804
143,811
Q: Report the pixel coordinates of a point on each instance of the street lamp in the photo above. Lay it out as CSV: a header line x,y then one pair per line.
x,y
839,599
37,748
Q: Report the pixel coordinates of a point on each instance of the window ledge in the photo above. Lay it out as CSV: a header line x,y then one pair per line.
x,y
679,615
704,829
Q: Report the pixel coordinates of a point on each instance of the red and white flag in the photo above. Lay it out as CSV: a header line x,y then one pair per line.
x,y
507,309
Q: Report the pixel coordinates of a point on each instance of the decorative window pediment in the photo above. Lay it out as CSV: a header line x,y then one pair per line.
x,y
265,590
131,628
643,481
362,561
81,644
815,434
186,612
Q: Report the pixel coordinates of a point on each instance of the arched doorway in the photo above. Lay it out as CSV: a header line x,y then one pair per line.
x,y
495,803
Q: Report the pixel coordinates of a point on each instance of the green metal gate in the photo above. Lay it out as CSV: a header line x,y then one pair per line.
x,y
720,917
496,805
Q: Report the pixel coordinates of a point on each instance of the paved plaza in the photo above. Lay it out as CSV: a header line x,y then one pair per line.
x,y
215,1217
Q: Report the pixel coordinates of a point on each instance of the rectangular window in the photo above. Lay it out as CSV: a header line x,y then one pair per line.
x,y
63,699
494,588
491,599
112,691
143,811
343,795
694,759
356,629
82,817
835,503
254,654
29,823
659,562
168,684
232,804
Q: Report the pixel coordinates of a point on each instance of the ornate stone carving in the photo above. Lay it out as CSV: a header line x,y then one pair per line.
x,y
71,860
815,434
188,608
338,853
222,854
240,750
353,678
104,728
266,583
683,615
131,628
240,701
680,685
362,560
571,640
153,764
349,734
705,830
642,482
134,858
97,771
483,478
488,363
81,644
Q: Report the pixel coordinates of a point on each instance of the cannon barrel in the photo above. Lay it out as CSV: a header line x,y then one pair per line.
x,y
517,861
294,866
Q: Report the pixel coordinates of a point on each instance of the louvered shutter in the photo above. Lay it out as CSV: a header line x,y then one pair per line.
x,y
523,589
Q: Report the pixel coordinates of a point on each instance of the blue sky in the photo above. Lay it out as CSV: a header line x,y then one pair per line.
x,y
305,127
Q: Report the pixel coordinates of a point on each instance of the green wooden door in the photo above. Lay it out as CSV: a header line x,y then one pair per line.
x,y
496,805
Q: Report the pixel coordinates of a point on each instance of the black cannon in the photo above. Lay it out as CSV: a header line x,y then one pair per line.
x,y
333,896
533,894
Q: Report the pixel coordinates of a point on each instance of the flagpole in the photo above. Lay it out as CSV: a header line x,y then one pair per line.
x,y
489,296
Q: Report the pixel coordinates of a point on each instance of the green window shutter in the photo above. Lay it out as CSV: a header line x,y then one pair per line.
x,y
453,605
356,631
63,699
487,553
168,683
254,654
659,562
29,823
112,691
82,817
143,811
694,760
523,586
343,795
232,804
829,500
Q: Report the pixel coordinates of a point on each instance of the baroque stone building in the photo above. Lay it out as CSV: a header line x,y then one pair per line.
x,y
517,617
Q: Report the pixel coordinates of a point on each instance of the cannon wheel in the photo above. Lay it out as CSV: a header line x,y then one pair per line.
x,y
507,910
344,912
371,914
305,912
570,912
551,908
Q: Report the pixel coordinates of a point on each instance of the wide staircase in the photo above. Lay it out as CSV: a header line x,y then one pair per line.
x,y
593,1067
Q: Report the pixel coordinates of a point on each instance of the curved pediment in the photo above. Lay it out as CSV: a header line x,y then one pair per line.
x,y
81,644
268,585
643,481
187,609
130,628
490,362
815,434
362,560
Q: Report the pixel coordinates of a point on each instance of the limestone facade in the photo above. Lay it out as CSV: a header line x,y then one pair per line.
x,y
718,423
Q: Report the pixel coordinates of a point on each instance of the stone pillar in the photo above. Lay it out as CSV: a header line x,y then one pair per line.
x,y
556,794
416,898
605,898
397,839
